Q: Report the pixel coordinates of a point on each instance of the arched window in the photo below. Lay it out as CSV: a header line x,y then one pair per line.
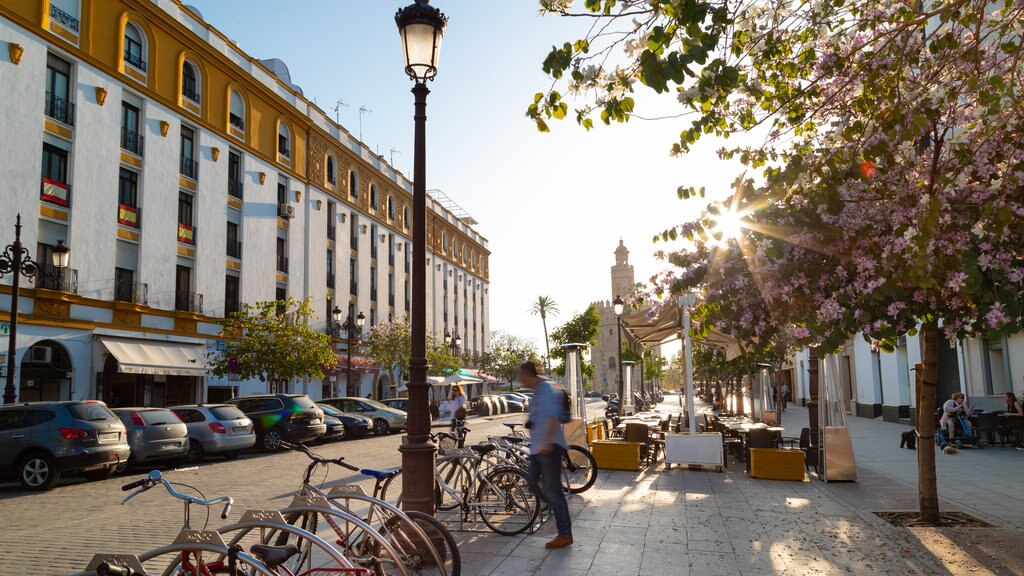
x,y
373,197
134,50
444,242
236,115
190,81
353,184
405,217
330,170
284,140
391,208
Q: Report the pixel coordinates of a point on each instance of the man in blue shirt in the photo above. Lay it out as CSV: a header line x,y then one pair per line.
x,y
547,447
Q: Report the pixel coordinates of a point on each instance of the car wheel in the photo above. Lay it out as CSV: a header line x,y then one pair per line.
x,y
271,440
38,472
96,475
380,426
126,466
195,451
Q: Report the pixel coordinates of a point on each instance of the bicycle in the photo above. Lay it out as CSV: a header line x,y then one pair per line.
x,y
579,468
384,538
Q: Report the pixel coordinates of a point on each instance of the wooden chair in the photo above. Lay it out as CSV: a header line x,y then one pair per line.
x,y
636,432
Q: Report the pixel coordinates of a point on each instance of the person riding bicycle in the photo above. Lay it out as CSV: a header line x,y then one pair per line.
x,y
547,449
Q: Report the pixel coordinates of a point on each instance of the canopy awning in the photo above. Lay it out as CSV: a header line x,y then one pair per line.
x,y
360,365
157,357
650,332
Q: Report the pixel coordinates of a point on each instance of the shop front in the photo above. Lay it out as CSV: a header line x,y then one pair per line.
x,y
150,372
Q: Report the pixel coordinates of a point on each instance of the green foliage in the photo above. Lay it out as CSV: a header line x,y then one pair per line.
x,y
273,341
441,359
581,329
655,366
505,354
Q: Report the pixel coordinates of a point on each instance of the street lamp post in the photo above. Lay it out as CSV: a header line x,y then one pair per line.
x,y
454,343
421,28
16,260
349,327
618,305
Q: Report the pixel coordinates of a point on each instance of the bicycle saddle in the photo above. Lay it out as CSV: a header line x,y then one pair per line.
x,y
482,448
513,439
381,474
512,425
274,555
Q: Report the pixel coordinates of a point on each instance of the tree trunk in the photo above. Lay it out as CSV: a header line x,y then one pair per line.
x,y
927,379
547,346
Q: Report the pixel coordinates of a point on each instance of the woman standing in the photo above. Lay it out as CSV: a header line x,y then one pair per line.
x,y
458,399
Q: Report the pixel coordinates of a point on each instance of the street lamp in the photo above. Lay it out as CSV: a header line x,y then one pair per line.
x,y
15,260
453,343
421,28
349,327
618,305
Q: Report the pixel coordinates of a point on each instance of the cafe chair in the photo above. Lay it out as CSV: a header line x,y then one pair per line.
x,y
986,425
803,443
636,432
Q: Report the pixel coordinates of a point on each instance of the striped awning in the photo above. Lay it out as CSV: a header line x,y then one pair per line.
x,y
157,357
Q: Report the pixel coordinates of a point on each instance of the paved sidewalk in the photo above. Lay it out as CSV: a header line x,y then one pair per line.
x,y
683,522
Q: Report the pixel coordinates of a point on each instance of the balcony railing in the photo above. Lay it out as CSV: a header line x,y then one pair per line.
x,y
237,122
282,264
332,231
63,18
187,234
135,60
55,192
131,141
128,216
235,249
131,291
283,150
65,280
188,302
190,168
190,93
235,188
59,108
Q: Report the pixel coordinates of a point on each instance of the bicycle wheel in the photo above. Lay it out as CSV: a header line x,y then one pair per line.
x,y
457,476
422,556
193,558
505,501
580,469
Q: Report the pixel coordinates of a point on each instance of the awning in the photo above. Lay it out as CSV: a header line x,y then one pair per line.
x,y
360,365
157,357
650,332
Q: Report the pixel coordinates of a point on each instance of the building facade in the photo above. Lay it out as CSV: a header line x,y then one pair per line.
x,y
189,178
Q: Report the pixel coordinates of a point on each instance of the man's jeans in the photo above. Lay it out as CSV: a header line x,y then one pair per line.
x,y
547,468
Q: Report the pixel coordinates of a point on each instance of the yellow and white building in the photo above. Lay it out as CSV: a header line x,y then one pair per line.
x,y
188,178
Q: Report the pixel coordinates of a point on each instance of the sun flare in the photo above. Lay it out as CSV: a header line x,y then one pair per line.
x,y
728,225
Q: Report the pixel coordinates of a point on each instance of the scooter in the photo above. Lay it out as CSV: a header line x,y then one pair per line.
x,y
612,409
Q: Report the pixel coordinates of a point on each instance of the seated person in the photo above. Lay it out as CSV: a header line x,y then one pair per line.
x,y
953,407
1013,405
1008,427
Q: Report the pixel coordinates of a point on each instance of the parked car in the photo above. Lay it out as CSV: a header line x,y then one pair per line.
x,y
385,419
353,426
277,417
397,403
517,397
220,429
484,405
155,435
42,441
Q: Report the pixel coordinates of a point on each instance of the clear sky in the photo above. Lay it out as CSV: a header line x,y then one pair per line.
x,y
553,206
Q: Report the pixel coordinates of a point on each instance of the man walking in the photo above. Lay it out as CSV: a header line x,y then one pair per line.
x,y
547,445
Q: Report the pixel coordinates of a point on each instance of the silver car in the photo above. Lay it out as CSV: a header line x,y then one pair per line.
x,y
220,429
155,434
385,419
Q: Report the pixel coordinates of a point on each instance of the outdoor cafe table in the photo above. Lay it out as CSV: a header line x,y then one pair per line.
x,y
743,428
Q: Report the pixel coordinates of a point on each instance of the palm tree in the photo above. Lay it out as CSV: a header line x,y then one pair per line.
x,y
544,306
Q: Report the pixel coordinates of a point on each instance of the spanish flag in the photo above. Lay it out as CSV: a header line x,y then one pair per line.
x,y
128,215
56,192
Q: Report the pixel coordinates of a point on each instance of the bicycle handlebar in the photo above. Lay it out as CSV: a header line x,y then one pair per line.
x,y
155,477
133,485
316,457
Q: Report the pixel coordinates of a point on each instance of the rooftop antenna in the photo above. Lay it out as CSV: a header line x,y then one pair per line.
x,y
337,108
393,152
362,109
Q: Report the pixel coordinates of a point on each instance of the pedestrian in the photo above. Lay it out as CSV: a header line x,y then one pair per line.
x,y
785,395
458,400
547,448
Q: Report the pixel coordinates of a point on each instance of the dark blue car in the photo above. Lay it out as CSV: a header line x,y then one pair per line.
x,y
352,426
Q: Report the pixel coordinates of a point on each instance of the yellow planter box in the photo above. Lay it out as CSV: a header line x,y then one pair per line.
x,y
595,432
772,464
616,454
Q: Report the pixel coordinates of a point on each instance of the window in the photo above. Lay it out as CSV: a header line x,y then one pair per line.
x,y
281,295
405,218
128,188
190,81
12,419
353,184
994,366
284,140
330,269
330,170
391,290
353,236
391,208
373,283
282,259
55,163
235,174
124,285
332,228
131,140
133,53
58,90
184,299
189,166
231,303
282,192
391,249
236,115
373,197
234,245
186,231
373,241
353,270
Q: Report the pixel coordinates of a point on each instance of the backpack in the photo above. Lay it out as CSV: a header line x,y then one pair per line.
x,y
565,415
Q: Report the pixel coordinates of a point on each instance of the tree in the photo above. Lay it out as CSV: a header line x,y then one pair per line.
x,y
389,345
443,362
674,373
272,341
581,329
544,306
655,366
888,190
505,354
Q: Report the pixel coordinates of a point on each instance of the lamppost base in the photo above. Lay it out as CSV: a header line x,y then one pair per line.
x,y
418,462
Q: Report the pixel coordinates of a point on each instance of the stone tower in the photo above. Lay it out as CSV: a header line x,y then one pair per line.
x,y
622,273
605,355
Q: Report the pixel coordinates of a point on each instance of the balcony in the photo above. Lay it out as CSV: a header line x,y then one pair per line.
x,y
283,150
190,93
61,281
235,188
131,291
55,192
135,60
59,109
235,249
131,141
190,168
188,302
63,18
187,234
282,264
236,122
128,216
332,231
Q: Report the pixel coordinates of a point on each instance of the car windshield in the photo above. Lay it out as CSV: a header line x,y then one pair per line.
x,y
226,413
304,403
329,410
374,403
91,412
158,417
